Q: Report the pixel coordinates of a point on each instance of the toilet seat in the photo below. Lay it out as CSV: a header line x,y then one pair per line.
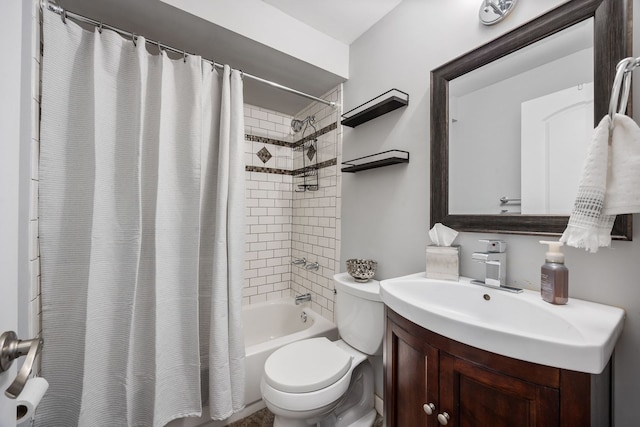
x,y
306,366
314,399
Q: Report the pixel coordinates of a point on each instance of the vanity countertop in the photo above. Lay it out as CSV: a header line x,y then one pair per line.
x,y
579,336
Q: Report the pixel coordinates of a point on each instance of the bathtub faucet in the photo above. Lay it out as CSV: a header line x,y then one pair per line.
x,y
312,266
299,261
303,298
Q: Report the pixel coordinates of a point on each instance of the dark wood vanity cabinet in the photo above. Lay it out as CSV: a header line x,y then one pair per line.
x,y
468,387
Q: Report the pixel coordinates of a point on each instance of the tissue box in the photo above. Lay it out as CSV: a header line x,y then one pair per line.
x,y
443,262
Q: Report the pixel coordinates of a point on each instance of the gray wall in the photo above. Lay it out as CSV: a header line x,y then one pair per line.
x,y
386,211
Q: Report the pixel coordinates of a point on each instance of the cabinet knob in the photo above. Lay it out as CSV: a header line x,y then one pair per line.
x,y
429,408
443,418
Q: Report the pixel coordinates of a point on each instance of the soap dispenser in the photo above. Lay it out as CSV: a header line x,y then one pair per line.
x,y
554,275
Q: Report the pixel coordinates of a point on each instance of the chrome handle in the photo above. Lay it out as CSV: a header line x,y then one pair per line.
x,y
429,408
312,266
443,418
12,348
299,261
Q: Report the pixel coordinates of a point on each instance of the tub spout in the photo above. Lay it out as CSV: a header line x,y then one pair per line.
x,y
303,298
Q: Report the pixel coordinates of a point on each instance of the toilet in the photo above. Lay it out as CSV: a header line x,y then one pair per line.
x,y
317,382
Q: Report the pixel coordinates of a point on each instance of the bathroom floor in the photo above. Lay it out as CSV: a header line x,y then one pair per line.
x,y
264,418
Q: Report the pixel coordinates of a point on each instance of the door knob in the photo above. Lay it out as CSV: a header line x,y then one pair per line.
x,y
12,348
429,408
443,418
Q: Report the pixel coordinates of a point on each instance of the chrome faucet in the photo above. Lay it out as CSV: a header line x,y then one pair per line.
x,y
299,261
495,261
303,298
312,266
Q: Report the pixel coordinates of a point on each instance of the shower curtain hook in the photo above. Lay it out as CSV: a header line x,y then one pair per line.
x,y
184,56
241,75
63,16
100,27
133,39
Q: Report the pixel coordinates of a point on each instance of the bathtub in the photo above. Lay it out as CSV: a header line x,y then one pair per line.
x,y
267,327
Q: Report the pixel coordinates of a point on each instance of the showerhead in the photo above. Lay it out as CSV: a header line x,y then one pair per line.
x,y
298,125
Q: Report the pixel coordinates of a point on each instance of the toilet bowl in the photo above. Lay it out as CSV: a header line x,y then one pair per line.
x,y
325,383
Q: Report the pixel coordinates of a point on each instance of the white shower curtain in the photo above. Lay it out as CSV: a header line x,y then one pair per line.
x,y
141,232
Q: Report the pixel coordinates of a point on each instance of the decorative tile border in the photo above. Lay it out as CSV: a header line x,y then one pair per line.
x,y
263,169
327,163
292,145
314,135
281,143
265,140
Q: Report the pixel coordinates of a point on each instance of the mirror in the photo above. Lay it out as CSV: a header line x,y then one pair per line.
x,y
476,183
528,116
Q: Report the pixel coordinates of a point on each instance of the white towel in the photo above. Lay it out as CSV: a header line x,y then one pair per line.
x,y
623,177
588,226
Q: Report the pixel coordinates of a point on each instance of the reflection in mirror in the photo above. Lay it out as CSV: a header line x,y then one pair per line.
x,y
496,165
520,127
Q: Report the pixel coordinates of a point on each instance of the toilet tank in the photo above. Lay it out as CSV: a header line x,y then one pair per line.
x,y
359,313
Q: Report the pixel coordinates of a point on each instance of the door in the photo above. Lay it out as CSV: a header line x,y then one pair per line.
x,y
556,132
472,395
411,376
14,83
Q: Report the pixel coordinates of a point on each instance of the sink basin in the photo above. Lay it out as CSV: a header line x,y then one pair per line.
x,y
579,336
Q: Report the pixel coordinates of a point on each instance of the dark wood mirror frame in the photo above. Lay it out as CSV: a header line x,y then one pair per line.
x,y
612,42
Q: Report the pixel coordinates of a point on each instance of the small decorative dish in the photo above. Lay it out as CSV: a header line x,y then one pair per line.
x,y
361,269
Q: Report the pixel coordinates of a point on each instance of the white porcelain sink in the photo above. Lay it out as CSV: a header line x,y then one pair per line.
x,y
579,336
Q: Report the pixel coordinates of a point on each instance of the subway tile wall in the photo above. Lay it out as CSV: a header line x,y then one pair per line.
x,y
316,214
284,222
268,205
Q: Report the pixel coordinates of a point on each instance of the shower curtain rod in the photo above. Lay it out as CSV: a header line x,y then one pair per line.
x,y
53,7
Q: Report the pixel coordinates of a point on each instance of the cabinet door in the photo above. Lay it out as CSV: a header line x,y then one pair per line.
x,y
411,379
475,396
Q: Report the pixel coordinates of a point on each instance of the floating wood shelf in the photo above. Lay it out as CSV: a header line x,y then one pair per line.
x,y
378,106
378,160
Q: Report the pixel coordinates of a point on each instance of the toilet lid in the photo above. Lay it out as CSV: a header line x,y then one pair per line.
x,y
306,365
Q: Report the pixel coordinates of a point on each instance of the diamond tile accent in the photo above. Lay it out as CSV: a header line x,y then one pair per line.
x,y
264,155
311,152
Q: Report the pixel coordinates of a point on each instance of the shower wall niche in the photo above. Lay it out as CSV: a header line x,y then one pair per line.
x,y
282,222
